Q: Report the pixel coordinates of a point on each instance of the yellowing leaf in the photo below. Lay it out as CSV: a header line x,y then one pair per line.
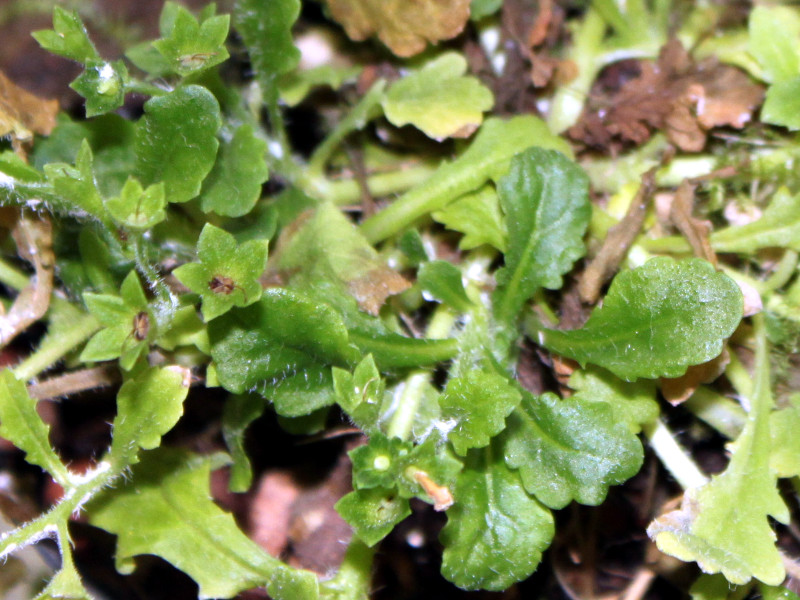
x,y
439,99
403,26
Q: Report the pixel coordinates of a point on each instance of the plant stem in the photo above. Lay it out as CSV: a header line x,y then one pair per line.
x,y
673,456
722,413
347,191
12,277
786,268
54,347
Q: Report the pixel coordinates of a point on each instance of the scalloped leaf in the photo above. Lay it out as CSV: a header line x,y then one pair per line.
x,y
68,38
163,508
496,532
569,449
545,198
176,141
373,513
439,99
655,321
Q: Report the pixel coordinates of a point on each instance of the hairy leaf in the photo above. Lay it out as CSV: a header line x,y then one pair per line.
x,y
545,198
496,532
569,449
373,513
655,321
439,99
164,508
176,141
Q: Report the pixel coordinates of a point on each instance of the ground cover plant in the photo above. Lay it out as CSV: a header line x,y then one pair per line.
x,y
471,267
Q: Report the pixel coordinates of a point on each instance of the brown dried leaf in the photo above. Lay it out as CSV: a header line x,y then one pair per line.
x,y
34,238
23,114
681,388
674,94
405,26
372,289
696,231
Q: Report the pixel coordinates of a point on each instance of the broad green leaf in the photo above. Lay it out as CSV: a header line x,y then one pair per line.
x,y
655,321
68,37
76,185
164,508
632,402
282,334
300,394
149,60
404,27
496,532
103,85
774,41
266,28
148,406
176,141
723,525
21,425
373,513
784,458
191,47
477,405
439,99
234,184
138,208
442,280
486,158
545,198
710,587
782,104
477,215
569,449
377,464
227,274
239,412
779,227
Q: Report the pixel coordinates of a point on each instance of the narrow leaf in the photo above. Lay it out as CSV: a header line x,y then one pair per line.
x,y
778,227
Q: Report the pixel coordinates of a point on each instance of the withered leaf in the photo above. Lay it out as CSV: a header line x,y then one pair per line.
x,y
675,94
23,114
405,26
696,231
680,389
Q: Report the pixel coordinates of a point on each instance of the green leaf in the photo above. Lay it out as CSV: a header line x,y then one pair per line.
x,y
429,472
103,85
76,185
176,141
782,106
191,47
569,449
784,458
723,524
710,587
361,393
138,208
439,99
486,158
65,585
234,184
266,28
774,41
483,8
655,321
282,334
632,402
227,274
545,198
373,513
300,394
779,227
22,426
68,37
477,215
495,532
165,508
442,280
774,592
377,464
287,583
295,85
148,406
239,412
477,405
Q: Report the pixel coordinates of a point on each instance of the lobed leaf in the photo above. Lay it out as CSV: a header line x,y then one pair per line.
x,y
373,513
189,46
102,84
477,215
68,38
655,321
496,532
569,449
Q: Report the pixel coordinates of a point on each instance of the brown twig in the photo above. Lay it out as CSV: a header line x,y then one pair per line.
x,y
74,382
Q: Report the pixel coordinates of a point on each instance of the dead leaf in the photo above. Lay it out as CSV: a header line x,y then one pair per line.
x,y
23,114
696,231
405,26
680,389
34,238
674,94
372,289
